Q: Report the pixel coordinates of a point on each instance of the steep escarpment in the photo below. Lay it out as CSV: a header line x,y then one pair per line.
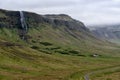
x,y
12,19
55,21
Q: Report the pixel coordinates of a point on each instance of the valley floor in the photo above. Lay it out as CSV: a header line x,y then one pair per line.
x,y
24,63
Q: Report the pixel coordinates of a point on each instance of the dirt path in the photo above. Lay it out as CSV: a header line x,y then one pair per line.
x,y
86,77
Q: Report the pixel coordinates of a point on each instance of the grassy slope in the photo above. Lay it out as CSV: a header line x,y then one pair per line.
x,y
23,62
117,41
86,45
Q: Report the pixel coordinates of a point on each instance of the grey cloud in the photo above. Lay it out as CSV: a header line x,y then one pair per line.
x,y
37,3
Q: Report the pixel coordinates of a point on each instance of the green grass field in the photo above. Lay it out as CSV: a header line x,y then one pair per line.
x,y
23,63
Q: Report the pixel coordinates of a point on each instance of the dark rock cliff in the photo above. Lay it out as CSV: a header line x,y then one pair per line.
x,y
12,19
9,19
55,21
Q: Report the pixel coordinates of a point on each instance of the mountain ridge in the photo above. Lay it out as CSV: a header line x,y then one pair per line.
x,y
54,20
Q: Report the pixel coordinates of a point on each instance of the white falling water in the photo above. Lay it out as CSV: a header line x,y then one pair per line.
x,y
23,22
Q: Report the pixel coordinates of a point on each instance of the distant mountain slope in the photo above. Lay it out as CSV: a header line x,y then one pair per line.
x,y
111,32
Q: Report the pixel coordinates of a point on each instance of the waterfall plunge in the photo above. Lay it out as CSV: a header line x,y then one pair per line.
x,y
23,22
23,25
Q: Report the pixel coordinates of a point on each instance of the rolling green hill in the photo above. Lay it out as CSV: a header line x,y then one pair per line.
x,y
53,47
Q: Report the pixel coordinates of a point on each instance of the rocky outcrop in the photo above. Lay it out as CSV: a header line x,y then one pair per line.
x,y
55,21
9,19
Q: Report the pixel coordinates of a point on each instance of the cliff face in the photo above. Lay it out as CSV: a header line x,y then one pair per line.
x,y
54,20
11,19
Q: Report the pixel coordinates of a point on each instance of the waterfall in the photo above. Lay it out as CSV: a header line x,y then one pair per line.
x,y
23,25
23,22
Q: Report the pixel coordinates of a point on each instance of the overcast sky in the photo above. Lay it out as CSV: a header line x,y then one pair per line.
x,y
88,11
